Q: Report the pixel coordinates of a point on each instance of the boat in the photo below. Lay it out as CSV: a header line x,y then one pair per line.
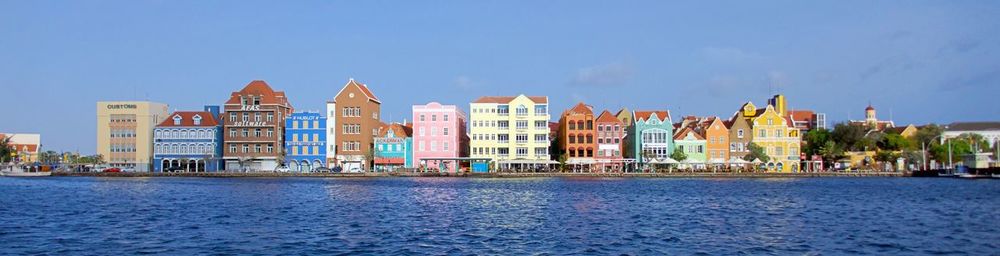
x,y
20,171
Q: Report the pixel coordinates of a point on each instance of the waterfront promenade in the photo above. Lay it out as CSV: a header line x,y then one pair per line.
x,y
491,175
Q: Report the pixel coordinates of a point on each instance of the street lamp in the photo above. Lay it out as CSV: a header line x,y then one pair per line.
x,y
924,145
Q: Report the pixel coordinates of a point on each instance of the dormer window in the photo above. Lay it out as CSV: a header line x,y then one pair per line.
x,y
177,119
256,101
197,119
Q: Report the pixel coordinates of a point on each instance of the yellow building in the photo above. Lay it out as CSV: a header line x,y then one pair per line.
x,y
776,133
125,132
511,131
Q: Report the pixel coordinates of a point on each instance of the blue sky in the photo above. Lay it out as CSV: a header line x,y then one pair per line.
x,y
923,61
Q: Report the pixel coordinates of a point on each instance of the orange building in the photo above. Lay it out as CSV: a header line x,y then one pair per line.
x,y
717,139
577,136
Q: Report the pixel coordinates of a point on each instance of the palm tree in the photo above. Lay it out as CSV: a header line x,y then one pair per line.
x,y
6,151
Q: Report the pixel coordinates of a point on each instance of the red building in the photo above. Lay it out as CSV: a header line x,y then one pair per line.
x,y
577,137
254,128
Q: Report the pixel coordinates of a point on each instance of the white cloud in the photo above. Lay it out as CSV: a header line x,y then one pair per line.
x,y
613,74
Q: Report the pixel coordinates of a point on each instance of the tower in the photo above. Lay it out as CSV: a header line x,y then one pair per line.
x,y
870,115
778,101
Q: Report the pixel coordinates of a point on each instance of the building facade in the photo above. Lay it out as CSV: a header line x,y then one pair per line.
x,y
741,131
779,138
989,130
577,137
511,131
872,122
25,145
716,140
305,141
807,120
355,113
189,141
125,132
651,136
439,133
394,147
254,128
610,140
692,143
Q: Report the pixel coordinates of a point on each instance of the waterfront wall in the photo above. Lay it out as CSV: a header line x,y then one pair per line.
x,y
489,175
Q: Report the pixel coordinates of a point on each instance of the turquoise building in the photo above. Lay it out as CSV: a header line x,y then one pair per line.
x,y
650,136
394,147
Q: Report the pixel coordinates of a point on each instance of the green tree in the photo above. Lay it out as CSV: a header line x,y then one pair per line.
x,y
895,142
832,152
927,135
975,141
756,152
562,161
886,156
678,155
848,136
6,150
814,140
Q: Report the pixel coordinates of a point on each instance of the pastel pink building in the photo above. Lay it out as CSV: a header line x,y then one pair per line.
x,y
439,137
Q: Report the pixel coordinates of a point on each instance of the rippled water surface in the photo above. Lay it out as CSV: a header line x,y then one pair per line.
x,y
457,216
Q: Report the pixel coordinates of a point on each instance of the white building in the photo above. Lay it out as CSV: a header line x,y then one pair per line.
x,y
989,130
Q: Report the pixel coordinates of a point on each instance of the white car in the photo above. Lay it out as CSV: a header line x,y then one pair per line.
x,y
282,169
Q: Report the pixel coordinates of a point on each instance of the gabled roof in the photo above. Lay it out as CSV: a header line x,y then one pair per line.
x,y
363,87
398,129
508,99
262,89
623,110
187,119
606,116
645,115
683,132
581,108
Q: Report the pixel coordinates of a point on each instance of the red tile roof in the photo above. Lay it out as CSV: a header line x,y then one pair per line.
x,y
684,132
507,99
801,115
400,130
645,115
187,119
364,89
260,88
581,108
606,116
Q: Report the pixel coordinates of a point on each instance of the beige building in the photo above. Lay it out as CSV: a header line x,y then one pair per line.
x,y
125,132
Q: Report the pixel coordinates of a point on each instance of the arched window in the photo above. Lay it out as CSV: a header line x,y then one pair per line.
x,y
522,110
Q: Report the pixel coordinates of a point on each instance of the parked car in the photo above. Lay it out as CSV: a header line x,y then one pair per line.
x,y
322,169
337,169
282,169
113,169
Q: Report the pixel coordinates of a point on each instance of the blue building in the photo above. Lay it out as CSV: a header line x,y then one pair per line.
x,y
305,141
394,147
188,141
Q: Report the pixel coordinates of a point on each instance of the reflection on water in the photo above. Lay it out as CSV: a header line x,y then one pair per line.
x,y
60,215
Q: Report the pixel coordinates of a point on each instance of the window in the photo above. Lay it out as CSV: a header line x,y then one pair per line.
x,y
197,120
770,121
256,132
541,125
503,110
572,139
541,110
246,117
590,125
522,138
433,146
590,138
246,148
778,151
420,145
777,133
504,125
541,151
522,110
256,117
232,117
232,148
270,132
763,133
522,152
572,126
434,118
445,132
257,148
270,117
522,124
422,133
503,138
445,146
421,118
541,138
445,117
502,151
246,132
739,133
701,149
177,120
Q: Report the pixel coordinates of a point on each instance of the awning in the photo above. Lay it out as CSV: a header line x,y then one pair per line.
x,y
580,161
527,162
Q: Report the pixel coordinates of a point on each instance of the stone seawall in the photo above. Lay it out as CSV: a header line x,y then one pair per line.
x,y
490,175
